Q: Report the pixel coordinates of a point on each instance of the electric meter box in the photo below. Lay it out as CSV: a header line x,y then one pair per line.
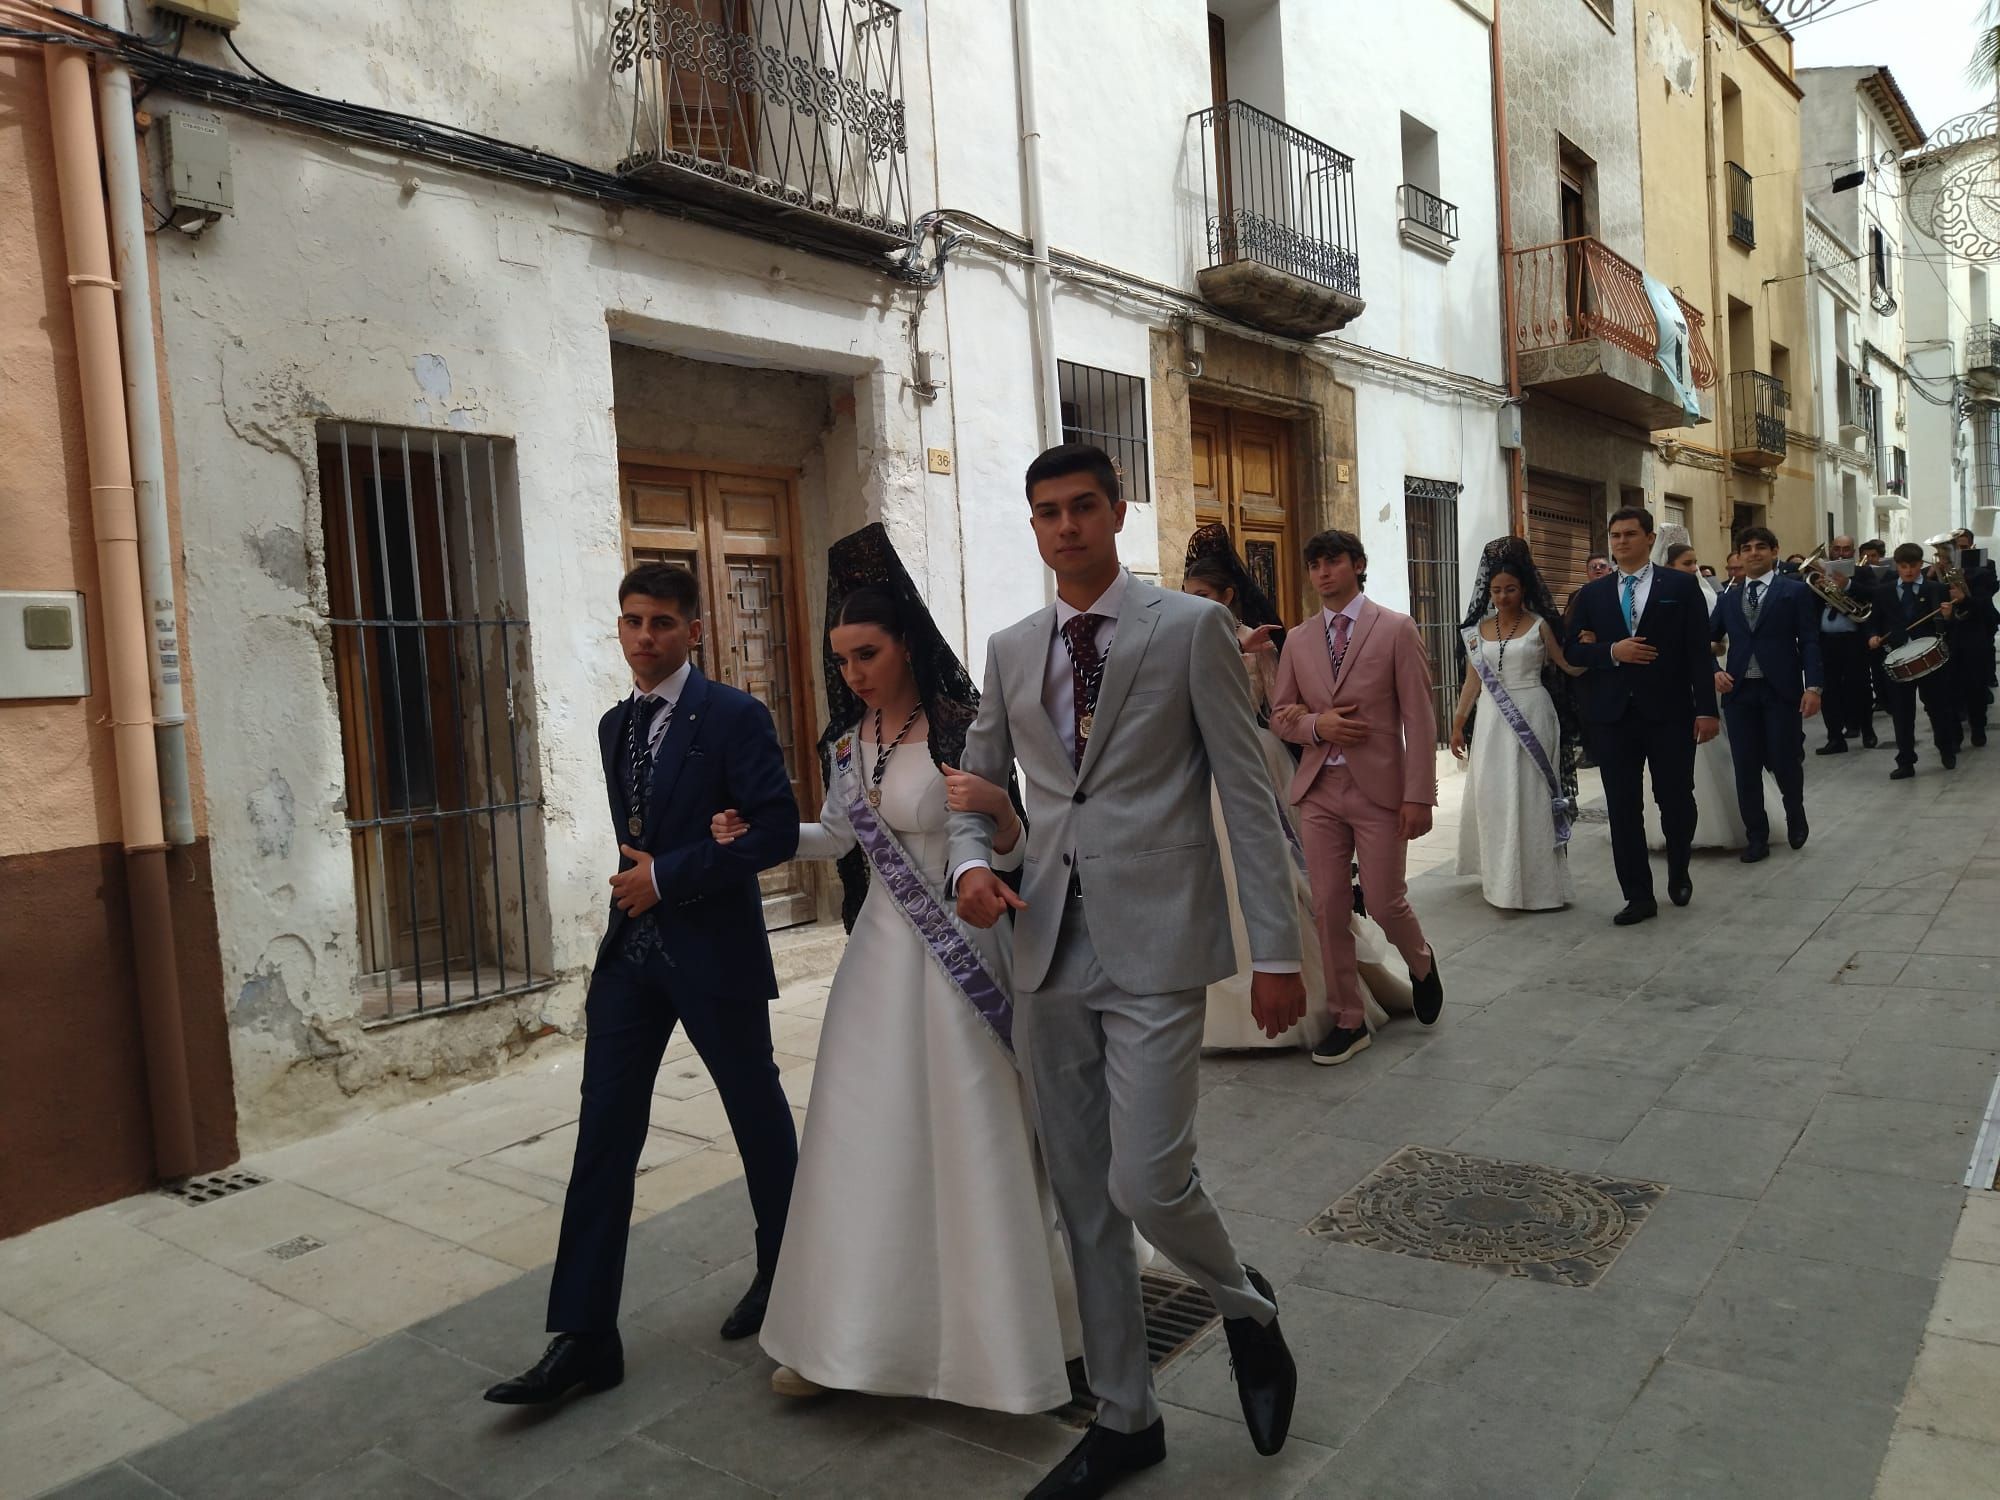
x,y
196,158
43,652
218,13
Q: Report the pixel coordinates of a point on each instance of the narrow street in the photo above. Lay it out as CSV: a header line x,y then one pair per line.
x,y
1802,1059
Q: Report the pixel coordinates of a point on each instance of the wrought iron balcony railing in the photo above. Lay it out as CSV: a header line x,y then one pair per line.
x,y
1757,407
1428,211
1982,347
1275,195
775,108
1742,207
1571,290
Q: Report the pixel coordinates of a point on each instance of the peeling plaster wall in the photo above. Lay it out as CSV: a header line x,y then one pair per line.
x,y
335,294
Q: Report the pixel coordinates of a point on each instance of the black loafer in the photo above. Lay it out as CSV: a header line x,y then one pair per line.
x,y
1751,855
1950,759
595,1361
1902,773
1103,1458
1427,994
1680,891
1267,1380
747,1317
1797,831
1832,747
1636,912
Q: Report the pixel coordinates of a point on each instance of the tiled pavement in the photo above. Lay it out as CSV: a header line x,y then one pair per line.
x,y
1804,1056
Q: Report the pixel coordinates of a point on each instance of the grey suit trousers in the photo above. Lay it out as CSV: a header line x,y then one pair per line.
x,y
1113,1080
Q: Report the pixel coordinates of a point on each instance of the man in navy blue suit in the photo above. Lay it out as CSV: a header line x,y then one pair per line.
x,y
1770,685
1649,698
686,946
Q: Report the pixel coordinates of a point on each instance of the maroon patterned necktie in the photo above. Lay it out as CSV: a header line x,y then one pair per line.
x,y
1086,674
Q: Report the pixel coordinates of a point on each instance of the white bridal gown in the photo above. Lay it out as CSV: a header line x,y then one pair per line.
x,y
1506,830
1718,821
1228,1024
920,1257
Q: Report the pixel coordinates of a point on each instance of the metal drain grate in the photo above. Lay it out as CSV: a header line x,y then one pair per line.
x,y
292,1249
199,1190
1178,1313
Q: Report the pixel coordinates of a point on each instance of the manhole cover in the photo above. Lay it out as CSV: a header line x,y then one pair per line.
x,y
199,1190
1177,1314
1511,1218
292,1249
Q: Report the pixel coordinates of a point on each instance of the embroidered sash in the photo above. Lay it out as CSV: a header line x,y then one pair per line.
x,y
936,928
1562,809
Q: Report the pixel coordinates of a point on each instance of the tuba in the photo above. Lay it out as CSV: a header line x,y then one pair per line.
x,y
1826,578
1946,570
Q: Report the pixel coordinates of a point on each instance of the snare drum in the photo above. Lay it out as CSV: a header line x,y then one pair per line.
x,y
1915,659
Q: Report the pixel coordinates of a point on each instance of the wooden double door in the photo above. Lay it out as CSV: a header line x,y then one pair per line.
x,y
735,529
1243,478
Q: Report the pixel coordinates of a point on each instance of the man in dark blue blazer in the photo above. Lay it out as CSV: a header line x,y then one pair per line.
x,y
1649,699
686,946
1770,684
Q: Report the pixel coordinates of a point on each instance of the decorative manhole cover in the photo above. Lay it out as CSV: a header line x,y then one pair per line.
x,y
1512,1218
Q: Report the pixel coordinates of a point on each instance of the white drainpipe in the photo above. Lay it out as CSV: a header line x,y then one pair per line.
x,y
142,419
1041,304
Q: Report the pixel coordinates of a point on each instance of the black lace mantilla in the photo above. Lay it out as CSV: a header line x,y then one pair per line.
x,y
1511,554
867,559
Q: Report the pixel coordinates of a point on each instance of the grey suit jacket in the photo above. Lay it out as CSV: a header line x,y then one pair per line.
x,y
1173,710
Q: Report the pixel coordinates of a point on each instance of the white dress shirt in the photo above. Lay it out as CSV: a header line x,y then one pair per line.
x,y
668,691
1639,595
1352,609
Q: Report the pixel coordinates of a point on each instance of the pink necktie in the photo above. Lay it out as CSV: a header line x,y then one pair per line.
x,y
1337,643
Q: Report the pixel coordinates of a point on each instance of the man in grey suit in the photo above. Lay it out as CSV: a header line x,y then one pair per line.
x,y
1119,701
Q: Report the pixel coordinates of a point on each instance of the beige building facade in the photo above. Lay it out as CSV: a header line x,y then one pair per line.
x,y
1718,112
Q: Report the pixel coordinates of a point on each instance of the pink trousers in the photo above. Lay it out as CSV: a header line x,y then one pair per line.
x,y
1338,825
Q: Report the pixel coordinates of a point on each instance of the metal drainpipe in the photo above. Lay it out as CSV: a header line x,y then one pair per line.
x,y
121,600
142,411
1517,459
1041,305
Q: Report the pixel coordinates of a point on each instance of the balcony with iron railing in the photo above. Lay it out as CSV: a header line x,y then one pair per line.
x,y
1429,222
1277,210
1742,207
1587,330
1982,349
1757,407
786,112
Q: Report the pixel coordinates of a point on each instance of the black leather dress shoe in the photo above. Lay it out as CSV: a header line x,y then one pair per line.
x,y
1267,1381
1950,759
747,1317
1979,739
1102,1459
595,1361
1680,889
1636,912
1832,747
1755,852
1427,994
1797,830
1868,741
1902,773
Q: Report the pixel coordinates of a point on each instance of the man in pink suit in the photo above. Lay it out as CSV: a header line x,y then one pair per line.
x,y
1354,691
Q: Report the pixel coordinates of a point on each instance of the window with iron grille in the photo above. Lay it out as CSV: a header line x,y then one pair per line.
x,y
1430,519
1871,423
1985,455
431,673
1108,409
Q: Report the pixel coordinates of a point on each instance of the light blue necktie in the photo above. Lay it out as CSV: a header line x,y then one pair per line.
x,y
1630,585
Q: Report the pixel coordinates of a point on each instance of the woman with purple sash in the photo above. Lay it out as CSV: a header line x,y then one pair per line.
x,y
920,1255
1520,790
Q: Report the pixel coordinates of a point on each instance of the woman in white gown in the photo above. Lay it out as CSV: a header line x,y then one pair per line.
x,y
920,1256
1215,572
1515,817
1718,821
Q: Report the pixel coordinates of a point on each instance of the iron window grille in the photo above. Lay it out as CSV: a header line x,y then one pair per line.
x,y
1871,425
1982,347
1757,407
1428,211
1430,520
1277,196
1985,455
430,669
780,106
1742,207
1108,409
1899,472
1881,291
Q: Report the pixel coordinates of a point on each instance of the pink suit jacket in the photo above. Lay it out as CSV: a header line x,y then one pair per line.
x,y
1386,680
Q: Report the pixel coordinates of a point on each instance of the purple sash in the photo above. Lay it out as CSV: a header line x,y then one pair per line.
x,y
935,927
1561,808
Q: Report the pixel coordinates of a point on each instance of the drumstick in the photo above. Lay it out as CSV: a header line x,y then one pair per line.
x,y
1931,616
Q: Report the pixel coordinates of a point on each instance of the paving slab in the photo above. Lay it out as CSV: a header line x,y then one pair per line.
x,y
1900,1137
1930,1466
1861,1219
1730,1155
